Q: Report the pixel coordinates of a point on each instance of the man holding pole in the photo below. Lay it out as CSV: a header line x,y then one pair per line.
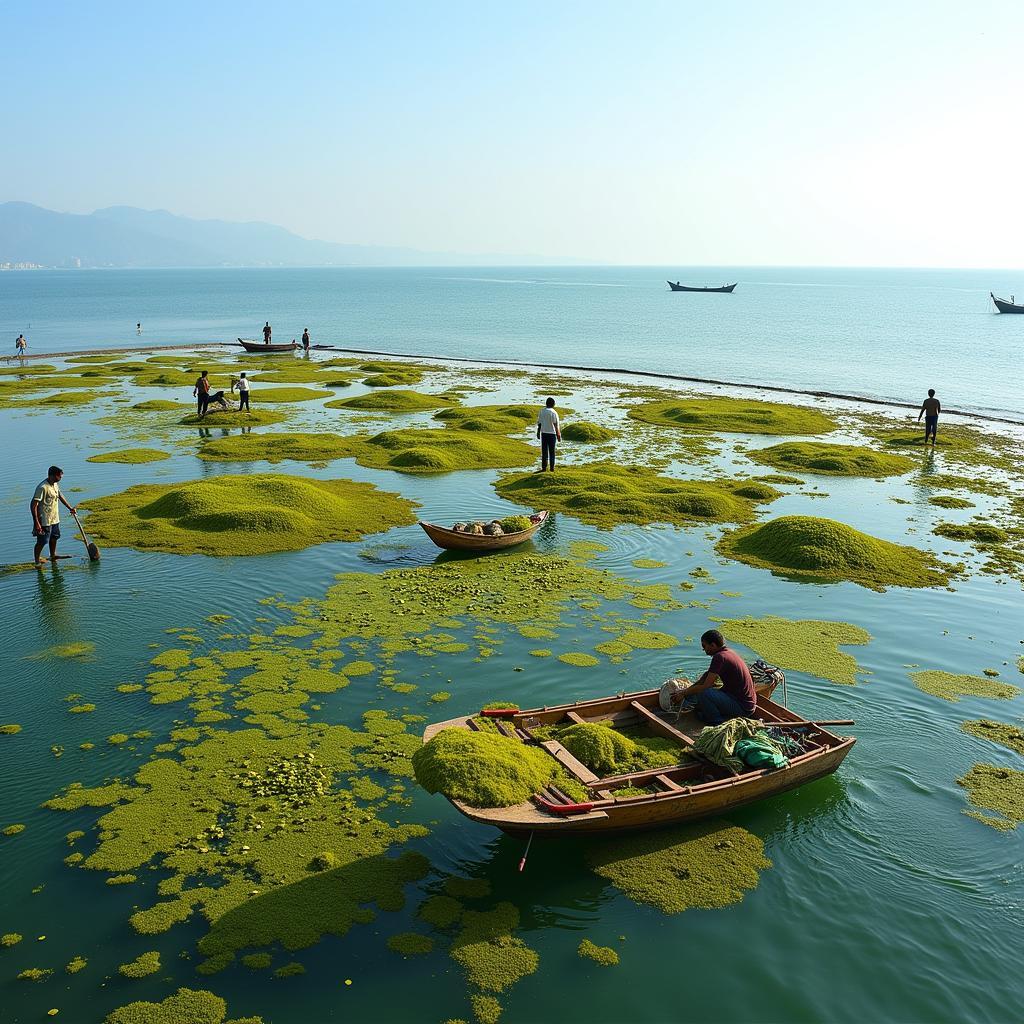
x,y
45,507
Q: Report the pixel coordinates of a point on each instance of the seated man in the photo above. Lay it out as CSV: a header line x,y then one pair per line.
x,y
736,699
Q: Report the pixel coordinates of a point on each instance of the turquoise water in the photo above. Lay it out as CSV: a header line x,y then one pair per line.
x,y
888,334
884,902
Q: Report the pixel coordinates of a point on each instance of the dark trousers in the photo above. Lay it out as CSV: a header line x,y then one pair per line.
x,y
243,400
931,424
202,401
716,707
547,450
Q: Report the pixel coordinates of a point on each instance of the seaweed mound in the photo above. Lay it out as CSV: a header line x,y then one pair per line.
x,y
440,451
824,551
276,447
606,494
244,515
607,752
832,459
130,456
481,769
491,419
233,418
977,533
586,432
393,401
733,416
156,405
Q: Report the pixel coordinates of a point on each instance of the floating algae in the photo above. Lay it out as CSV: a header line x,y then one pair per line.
x,y
952,687
143,965
186,1005
606,495
290,970
258,961
322,447
603,955
481,769
975,533
35,974
82,709
950,501
733,415
491,956
825,459
81,650
440,911
156,405
801,645
393,401
1009,736
131,456
244,515
233,418
10,729
486,1009
467,888
647,640
10,939
579,659
708,865
648,563
815,550
1000,790
76,964
13,830
490,419
584,432
410,944
440,451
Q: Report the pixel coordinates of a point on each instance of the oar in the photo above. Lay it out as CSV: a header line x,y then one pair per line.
x,y
798,725
526,852
94,552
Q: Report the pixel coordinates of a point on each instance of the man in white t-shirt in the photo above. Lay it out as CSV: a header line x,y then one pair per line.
x,y
548,431
243,392
45,507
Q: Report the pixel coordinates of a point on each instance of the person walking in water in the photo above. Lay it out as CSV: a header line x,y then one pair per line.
x,y
20,344
267,332
305,339
45,508
201,393
930,409
243,392
549,432
138,328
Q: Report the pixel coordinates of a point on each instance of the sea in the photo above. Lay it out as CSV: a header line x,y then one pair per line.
x,y
875,333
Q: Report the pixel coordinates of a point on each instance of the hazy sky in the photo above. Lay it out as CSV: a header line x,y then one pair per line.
x,y
886,134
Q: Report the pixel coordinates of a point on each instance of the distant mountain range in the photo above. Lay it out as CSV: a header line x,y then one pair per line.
x,y
124,236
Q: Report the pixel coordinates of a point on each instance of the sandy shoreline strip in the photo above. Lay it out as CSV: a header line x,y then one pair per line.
x,y
649,374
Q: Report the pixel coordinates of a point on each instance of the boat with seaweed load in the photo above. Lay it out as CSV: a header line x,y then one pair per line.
x,y
1007,307
675,286
259,346
459,540
688,790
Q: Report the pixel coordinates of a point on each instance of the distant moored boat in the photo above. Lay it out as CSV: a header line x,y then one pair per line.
x,y
1007,307
677,287
260,346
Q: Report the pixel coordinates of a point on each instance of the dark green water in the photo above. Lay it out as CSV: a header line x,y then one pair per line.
x,y
884,902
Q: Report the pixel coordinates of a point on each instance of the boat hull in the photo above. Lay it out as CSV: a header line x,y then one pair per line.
x,y
259,346
1006,307
689,288
452,540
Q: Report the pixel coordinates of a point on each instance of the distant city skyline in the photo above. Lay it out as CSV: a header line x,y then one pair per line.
x,y
663,133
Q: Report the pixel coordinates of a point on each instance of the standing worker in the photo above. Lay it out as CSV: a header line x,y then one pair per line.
x,y
267,331
548,431
46,514
243,392
305,339
930,409
201,393
20,344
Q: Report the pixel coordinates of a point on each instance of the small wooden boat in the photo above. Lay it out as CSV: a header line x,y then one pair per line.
x,y
1007,307
455,540
259,346
687,791
677,287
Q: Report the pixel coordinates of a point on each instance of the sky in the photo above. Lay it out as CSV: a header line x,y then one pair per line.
x,y
651,133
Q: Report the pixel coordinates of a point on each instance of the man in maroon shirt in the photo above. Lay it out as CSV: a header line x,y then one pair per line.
x,y
736,699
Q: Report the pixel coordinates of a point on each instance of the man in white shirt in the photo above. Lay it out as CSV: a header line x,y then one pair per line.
x,y
548,431
45,506
243,392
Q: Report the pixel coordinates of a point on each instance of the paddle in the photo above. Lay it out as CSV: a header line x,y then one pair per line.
x,y
94,552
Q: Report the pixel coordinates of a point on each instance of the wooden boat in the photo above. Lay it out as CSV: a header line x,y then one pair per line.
x,y
677,287
455,540
687,791
1007,307
259,346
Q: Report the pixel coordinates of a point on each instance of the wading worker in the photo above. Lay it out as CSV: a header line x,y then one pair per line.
x,y
548,431
736,699
201,393
930,409
243,392
45,506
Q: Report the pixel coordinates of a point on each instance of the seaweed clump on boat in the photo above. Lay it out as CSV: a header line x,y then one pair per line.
x,y
950,686
708,865
131,456
606,751
606,494
482,769
801,645
603,955
1000,790
197,1006
244,515
393,401
815,550
440,451
585,432
1009,736
825,459
733,415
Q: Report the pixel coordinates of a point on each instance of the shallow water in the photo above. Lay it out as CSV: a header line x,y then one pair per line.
x,y
884,901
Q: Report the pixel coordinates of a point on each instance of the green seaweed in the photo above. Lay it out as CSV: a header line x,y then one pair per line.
x,y
320,447
13,830
1009,736
486,1009
584,432
733,415
186,1005
1000,790
393,401
490,419
10,939
440,451
257,961
440,911
131,456
579,659
824,459
707,866
239,515
950,686
35,974
607,751
801,645
81,650
603,955
648,563
491,956
142,966
975,533
10,729
233,418
824,551
949,501
156,405
76,964
410,944
290,970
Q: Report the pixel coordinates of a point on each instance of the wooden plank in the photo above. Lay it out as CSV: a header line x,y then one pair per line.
x,y
668,783
568,762
574,718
